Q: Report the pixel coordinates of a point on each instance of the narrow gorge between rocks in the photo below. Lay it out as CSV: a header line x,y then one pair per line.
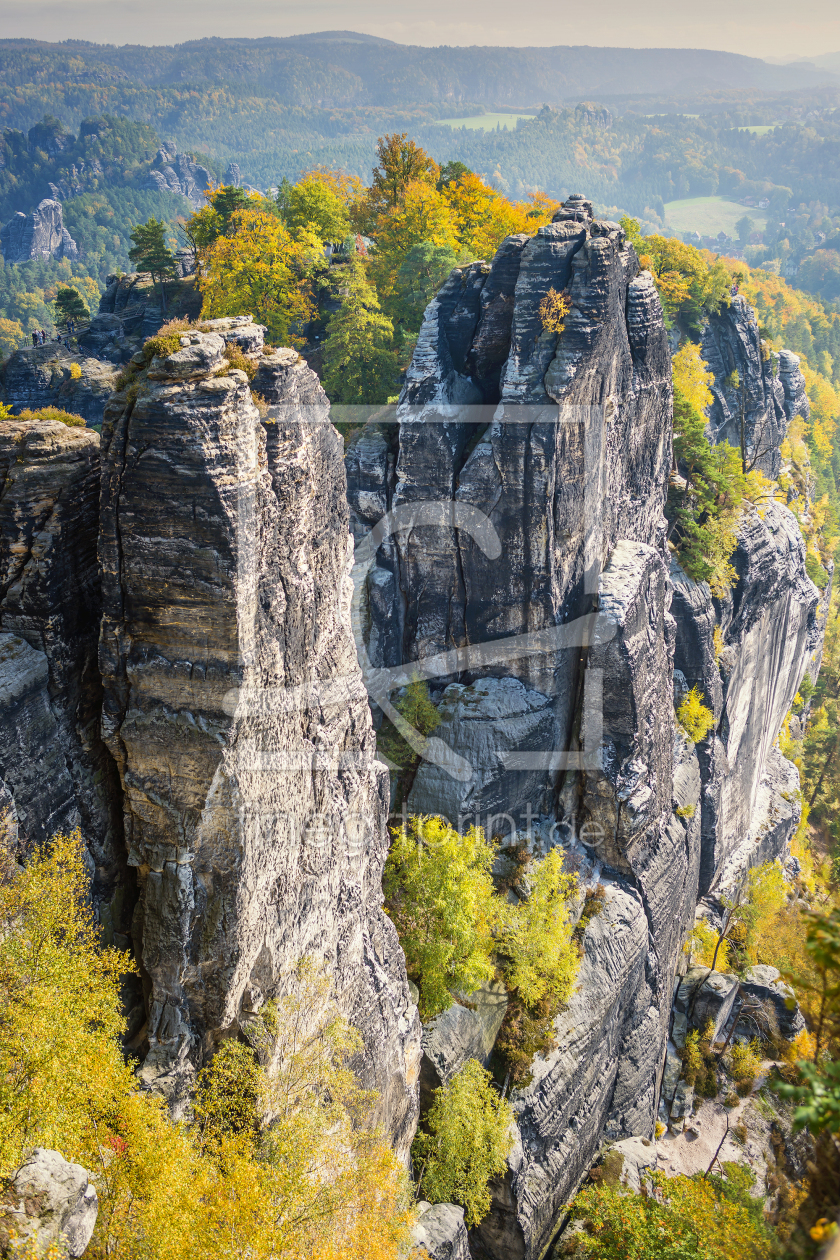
x,y
194,672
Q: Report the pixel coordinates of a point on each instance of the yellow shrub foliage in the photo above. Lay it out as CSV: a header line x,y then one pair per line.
x,y
694,717
745,1060
701,944
553,311
691,375
284,1167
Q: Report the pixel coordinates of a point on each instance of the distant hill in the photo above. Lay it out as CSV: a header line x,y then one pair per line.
x,y
343,68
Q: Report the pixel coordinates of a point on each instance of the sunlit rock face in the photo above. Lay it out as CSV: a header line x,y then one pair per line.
x,y
41,234
234,708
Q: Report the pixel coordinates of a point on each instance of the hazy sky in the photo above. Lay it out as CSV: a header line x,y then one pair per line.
x,y
762,28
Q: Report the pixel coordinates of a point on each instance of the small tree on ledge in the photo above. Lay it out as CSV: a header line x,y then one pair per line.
x,y
152,254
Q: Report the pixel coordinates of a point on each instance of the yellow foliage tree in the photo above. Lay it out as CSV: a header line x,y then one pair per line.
x,y
422,214
257,268
60,1016
285,1165
691,376
11,336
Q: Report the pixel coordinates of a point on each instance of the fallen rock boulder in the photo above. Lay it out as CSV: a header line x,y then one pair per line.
x,y
440,1232
764,983
49,1201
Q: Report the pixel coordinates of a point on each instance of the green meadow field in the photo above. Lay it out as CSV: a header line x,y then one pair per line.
x,y
485,122
710,215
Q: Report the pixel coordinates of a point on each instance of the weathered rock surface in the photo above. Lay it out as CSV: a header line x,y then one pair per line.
x,y
573,724
769,632
576,509
254,809
627,1163
41,234
440,1232
703,995
130,311
765,985
50,1202
45,376
178,173
53,759
467,1030
755,406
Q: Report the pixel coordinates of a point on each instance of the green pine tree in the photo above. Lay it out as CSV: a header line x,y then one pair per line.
x,y
69,304
360,365
152,254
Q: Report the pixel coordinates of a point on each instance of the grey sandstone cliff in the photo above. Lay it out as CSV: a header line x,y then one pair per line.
x,y
179,173
757,392
234,708
41,234
550,617
51,755
769,631
53,376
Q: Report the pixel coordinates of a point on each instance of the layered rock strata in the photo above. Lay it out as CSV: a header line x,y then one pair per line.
x,y
769,632
178,173
538,603
53,376
51,754
757,391
234,707
554,646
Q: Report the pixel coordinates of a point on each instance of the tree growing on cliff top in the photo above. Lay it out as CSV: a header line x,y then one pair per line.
x,y
257,268
151,253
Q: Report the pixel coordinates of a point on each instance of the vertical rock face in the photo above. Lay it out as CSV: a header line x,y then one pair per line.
x,y
51,755
756,391
178,173
44,376
547,614
234,707
769,631
574,500
41,234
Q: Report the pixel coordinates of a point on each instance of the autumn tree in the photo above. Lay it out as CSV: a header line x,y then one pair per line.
x,y
313,204
11,336
400,162
282,1158
464,1142
257,268
704,505
440,896
360,365
709,1217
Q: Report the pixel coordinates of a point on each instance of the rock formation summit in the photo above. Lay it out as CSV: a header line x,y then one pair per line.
x,y
41,234
545,608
